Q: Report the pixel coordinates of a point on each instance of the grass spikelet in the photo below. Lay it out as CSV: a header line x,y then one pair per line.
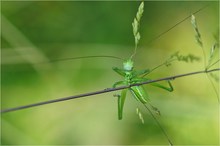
x,y
195,27
135,26
185,58
140,115
213,51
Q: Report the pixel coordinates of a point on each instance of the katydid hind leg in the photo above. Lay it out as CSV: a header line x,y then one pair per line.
x,y
170,88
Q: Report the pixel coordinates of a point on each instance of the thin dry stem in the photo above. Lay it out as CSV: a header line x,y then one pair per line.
x,y
105,91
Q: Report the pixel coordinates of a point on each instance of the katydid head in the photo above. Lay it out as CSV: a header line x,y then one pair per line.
x,y
128,65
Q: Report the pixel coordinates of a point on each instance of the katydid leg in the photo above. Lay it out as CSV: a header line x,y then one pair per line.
x,y
170,88
121,101
119,71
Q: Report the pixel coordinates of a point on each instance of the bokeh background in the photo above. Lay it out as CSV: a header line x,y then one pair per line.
x,y
33,33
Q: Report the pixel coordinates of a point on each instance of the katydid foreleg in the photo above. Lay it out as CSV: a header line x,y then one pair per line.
x,y
119,71
121,98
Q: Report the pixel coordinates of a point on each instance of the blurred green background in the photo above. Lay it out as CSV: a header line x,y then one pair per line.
x,y
35,32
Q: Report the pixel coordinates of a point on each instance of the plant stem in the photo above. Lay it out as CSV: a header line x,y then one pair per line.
x,y
105,91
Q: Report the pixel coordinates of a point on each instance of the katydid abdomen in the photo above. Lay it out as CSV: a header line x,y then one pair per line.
x,y
140,94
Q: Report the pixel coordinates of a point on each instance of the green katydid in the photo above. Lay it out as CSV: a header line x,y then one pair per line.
x,y
132,76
